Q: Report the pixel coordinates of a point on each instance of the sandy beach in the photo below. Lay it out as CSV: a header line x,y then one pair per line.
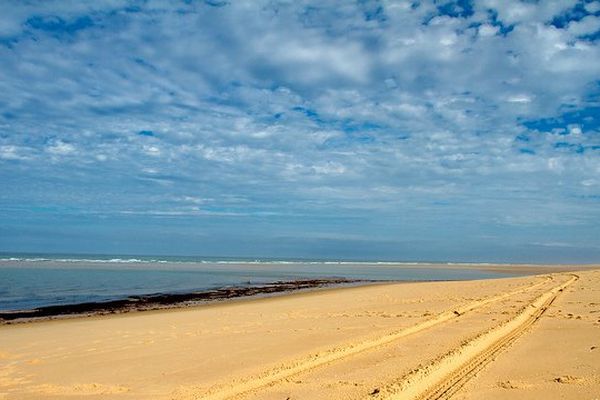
x,y
527,337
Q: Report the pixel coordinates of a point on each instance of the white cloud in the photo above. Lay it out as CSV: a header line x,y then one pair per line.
x,y
585,26
152,150
575,130
590,182
592,7
513,11
488,30
14,153
519,12
519,98
60,148
329,168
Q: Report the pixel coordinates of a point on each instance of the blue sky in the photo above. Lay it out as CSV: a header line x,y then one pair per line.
x,y
408,130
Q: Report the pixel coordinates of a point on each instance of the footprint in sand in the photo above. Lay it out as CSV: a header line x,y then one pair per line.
x,y
569,380
507,385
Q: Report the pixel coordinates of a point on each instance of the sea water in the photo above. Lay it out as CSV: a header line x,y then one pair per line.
x,y
30,281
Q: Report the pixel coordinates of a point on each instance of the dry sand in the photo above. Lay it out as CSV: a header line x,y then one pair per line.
x,y
523,338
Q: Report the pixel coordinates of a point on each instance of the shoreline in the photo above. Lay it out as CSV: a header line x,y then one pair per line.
x,y
161,301
170,301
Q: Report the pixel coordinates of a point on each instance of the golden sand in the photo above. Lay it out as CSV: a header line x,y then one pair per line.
x,y
528,337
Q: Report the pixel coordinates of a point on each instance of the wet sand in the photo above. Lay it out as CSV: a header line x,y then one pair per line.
x,y
527,337
161,301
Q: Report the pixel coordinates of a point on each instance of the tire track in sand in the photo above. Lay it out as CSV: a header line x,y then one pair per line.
x,y
444,376
287,370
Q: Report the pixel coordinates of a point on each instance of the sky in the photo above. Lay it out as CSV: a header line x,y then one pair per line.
x,y
380,130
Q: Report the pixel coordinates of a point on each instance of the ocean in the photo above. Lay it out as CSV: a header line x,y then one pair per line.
x,y
29,281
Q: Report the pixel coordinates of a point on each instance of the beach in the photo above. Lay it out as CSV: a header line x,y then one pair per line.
x,y
525,337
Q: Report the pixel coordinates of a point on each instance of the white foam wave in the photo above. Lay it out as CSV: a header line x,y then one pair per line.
x,y
227,262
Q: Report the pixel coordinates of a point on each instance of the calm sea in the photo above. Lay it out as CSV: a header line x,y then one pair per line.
x,y
30,281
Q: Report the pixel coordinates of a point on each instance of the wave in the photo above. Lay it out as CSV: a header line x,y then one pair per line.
x,y
224,262
80,260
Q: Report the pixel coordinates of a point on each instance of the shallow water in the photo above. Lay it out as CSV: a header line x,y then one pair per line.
x,y
30,282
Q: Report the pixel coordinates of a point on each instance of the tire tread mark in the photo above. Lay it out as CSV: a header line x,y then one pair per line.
x,y
287,370
444,376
